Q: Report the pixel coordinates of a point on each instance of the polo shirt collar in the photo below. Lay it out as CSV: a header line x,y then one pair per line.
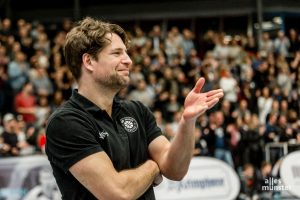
x,y
88,105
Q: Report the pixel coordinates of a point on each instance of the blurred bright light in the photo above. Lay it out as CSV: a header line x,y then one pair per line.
x,y
277,20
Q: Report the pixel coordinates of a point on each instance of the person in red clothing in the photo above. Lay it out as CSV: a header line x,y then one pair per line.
x,y
25,103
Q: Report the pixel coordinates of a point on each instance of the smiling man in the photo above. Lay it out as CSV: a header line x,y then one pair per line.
x,y
103,148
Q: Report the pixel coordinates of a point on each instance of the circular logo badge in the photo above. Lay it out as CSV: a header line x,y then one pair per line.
x,y
129,124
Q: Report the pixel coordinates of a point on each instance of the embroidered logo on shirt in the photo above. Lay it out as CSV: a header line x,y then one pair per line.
x,y
129,124
103,134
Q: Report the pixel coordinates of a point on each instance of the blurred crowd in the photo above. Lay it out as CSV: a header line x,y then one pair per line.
x,y
260,78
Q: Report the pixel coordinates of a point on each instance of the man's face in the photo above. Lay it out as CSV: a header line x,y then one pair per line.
x,y
112,68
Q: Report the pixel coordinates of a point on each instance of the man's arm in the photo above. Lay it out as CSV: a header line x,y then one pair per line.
x,y
97,173
174,158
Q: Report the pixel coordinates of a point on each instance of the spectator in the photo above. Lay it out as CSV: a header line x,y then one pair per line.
x,y
41,82
283,79
221,50
168,82
264,105
42,44
187,41
272,132
230,86
4,148
160,121
172,106
172,43
57,100
251,45
43,111
18,71
263,179
172,126
285,131
136,75
295,68
6,92
6,29
139,39
9,135
143,93
200,144
266,45
235,50
294,42
25,103
242,110
221,139
248,183
282,44
251,142
156,37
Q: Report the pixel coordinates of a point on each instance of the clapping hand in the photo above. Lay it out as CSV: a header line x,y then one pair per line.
x,y
196,102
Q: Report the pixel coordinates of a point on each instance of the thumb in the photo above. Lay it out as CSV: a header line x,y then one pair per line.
x,y
199,85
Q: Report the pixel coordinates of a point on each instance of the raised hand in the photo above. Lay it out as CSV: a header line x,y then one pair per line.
x,y
196,103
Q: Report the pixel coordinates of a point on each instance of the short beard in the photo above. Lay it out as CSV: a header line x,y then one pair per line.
x,y
115,82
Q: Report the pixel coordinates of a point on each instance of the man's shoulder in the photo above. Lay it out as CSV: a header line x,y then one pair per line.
x,y
65,107
133,104
68,111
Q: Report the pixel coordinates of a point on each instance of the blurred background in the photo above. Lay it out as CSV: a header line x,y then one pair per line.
x,y
250,48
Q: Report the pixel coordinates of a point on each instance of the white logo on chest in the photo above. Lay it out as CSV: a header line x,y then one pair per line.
x,y
103,134
129,124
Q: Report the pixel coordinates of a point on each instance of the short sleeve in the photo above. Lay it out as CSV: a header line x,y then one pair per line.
x,y
70,137
153,131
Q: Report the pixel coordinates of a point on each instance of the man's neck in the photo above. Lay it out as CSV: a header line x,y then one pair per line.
x,y
100,96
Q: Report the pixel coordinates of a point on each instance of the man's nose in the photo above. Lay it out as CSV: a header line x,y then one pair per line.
x,y
127,60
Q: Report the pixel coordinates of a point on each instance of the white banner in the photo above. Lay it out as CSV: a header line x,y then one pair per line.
x,y
30,178
290,173
27,178
207,178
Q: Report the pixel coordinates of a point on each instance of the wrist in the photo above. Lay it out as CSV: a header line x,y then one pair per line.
x,y
153,166
188,121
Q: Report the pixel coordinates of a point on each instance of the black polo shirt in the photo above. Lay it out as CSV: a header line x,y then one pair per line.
x,y
79,128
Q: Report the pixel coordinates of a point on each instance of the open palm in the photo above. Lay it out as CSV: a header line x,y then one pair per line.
x,y
196,103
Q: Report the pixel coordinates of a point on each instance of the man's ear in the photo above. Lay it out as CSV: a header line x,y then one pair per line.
x,y
88,61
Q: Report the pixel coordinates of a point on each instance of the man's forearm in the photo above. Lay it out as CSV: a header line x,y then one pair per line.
x,y
180,152
98,175
135,182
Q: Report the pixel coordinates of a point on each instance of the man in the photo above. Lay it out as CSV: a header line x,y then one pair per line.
x,y
9,135
102,148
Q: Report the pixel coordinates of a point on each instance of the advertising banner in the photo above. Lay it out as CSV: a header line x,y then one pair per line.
x,y
30,178
207,178
27,178
290,174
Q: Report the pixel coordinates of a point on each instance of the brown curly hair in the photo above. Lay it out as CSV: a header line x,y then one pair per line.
x,y
88,36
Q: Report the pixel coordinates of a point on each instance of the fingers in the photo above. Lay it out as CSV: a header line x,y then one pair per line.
x,y
213,97
199,85
213,92
212,102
